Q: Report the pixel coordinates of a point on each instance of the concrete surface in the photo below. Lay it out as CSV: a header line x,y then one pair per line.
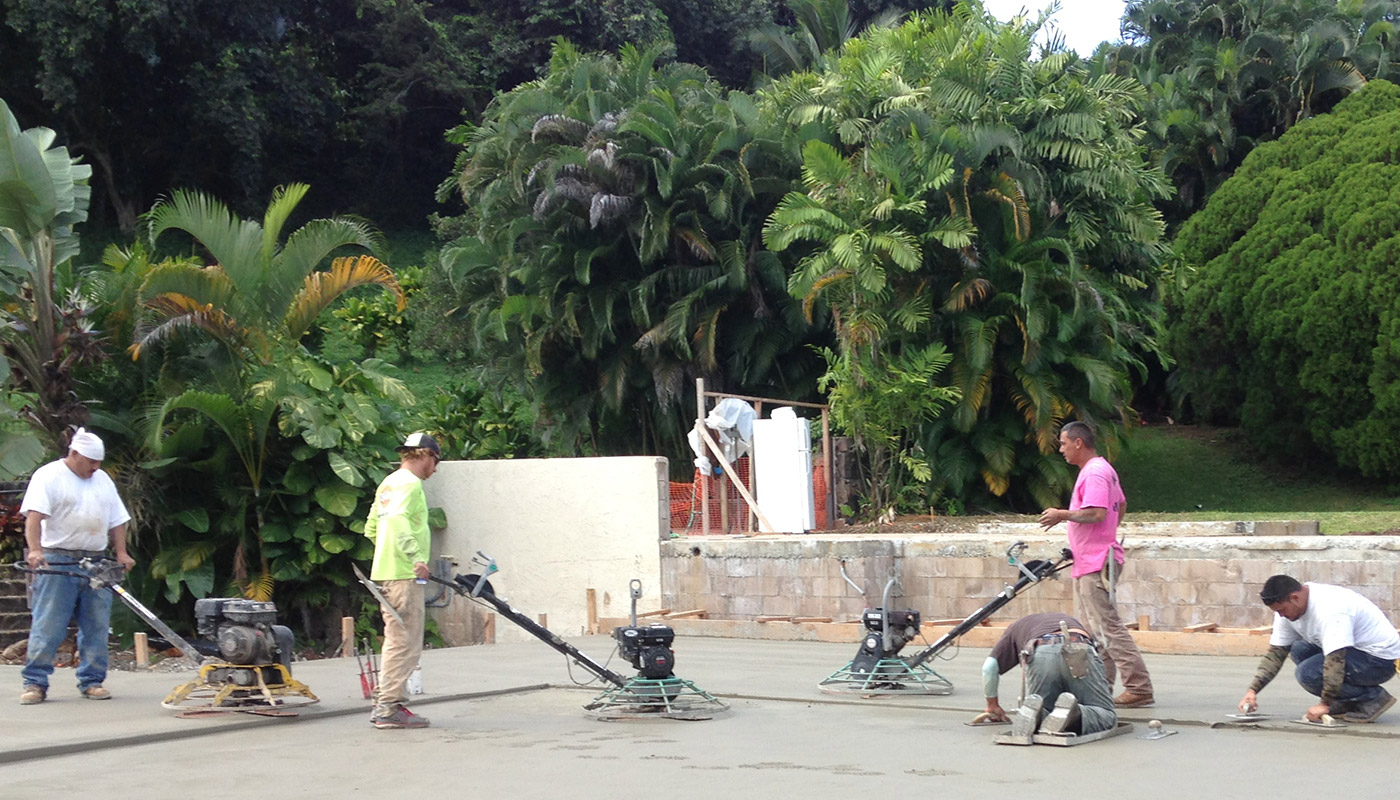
x,y
498,732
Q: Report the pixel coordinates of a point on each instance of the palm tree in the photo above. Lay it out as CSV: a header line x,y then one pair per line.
x,y
256,300
823,28
261,293
615,252
1229,74
1020,188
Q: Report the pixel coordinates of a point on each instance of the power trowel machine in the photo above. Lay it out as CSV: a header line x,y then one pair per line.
x,y
879,669
655,691
244,658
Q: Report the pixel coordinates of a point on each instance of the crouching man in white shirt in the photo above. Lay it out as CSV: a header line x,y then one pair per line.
x,y
1343,645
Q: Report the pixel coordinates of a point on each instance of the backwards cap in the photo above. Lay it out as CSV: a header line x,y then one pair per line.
x,y
420,441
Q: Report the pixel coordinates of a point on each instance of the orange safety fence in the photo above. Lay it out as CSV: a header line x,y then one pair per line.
x,y
686,516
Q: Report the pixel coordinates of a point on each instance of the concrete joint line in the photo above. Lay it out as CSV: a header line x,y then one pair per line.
x,y
235,722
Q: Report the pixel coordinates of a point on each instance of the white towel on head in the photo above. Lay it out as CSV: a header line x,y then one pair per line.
x,y
86,443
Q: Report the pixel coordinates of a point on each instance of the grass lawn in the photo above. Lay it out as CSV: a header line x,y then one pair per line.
x,y
1192,472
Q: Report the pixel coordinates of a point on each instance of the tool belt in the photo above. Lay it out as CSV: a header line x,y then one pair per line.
x,y
1075,636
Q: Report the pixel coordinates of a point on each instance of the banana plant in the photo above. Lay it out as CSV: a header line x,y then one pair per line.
x,y
44,332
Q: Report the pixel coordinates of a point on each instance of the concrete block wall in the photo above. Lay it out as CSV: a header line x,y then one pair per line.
x,y
1175,581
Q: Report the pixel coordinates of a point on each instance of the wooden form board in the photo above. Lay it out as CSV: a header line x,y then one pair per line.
x,y
1153,641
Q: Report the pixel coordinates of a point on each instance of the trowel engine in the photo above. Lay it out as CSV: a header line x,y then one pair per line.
x,y
885,636
648,648
244,635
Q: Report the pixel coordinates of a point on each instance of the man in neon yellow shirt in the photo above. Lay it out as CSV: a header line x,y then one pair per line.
x,y
398,526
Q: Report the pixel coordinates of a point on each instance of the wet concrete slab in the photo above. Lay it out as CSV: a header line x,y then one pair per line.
x,y
507,720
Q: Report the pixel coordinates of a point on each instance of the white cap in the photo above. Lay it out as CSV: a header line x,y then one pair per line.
x,y
88,444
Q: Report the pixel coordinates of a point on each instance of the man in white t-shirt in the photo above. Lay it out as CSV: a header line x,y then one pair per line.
x,y
1343,645
71,511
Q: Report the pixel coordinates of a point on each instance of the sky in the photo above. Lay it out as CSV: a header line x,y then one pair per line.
x,y
1084,23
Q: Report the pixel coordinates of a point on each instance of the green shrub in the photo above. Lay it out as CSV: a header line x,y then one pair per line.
x,y
1290,328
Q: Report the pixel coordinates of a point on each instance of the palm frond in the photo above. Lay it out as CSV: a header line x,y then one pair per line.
x,y
233,243
322,288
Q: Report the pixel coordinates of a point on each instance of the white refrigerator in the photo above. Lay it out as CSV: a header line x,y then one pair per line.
x,y
782,464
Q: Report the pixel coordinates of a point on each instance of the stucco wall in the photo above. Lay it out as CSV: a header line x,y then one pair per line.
x,y
556,527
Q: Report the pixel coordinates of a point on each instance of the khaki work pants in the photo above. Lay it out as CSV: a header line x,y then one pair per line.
x,y
1120,652
403,644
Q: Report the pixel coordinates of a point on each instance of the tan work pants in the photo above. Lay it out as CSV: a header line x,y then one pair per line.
x,y
403,644
1121,654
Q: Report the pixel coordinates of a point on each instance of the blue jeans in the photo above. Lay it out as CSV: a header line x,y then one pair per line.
x,y
58,599
1365,672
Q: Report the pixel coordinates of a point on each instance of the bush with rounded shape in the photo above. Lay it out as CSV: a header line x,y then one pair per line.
x,y
1290,327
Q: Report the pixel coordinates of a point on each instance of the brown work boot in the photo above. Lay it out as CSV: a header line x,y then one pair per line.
x,y
1131,700
96,692
33,695
1369,712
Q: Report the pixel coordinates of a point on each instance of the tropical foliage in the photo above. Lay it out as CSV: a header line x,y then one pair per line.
x,y
1290,327
1226,75
822,27
289,428
612,251
44,333
883,405
964,190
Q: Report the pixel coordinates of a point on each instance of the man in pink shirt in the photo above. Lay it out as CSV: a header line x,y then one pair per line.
x,y
1095,509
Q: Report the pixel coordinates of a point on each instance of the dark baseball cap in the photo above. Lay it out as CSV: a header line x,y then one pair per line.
x,y
420,441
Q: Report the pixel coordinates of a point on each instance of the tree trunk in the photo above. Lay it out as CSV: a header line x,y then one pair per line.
x,y
124,209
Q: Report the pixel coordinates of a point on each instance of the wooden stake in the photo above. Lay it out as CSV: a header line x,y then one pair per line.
x,y
591,596
143,651
347,637
544,620
1144,623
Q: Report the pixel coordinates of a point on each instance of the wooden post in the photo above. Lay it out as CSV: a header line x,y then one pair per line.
x,y
544,620
347,637
750,520
1144,623
143,651
488,631
830,499
592,598
704,478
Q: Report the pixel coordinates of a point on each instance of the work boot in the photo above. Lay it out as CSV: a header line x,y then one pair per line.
x,y
1027,717
96,692
33,695
1370,712
401,718
1131,700
1065,717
